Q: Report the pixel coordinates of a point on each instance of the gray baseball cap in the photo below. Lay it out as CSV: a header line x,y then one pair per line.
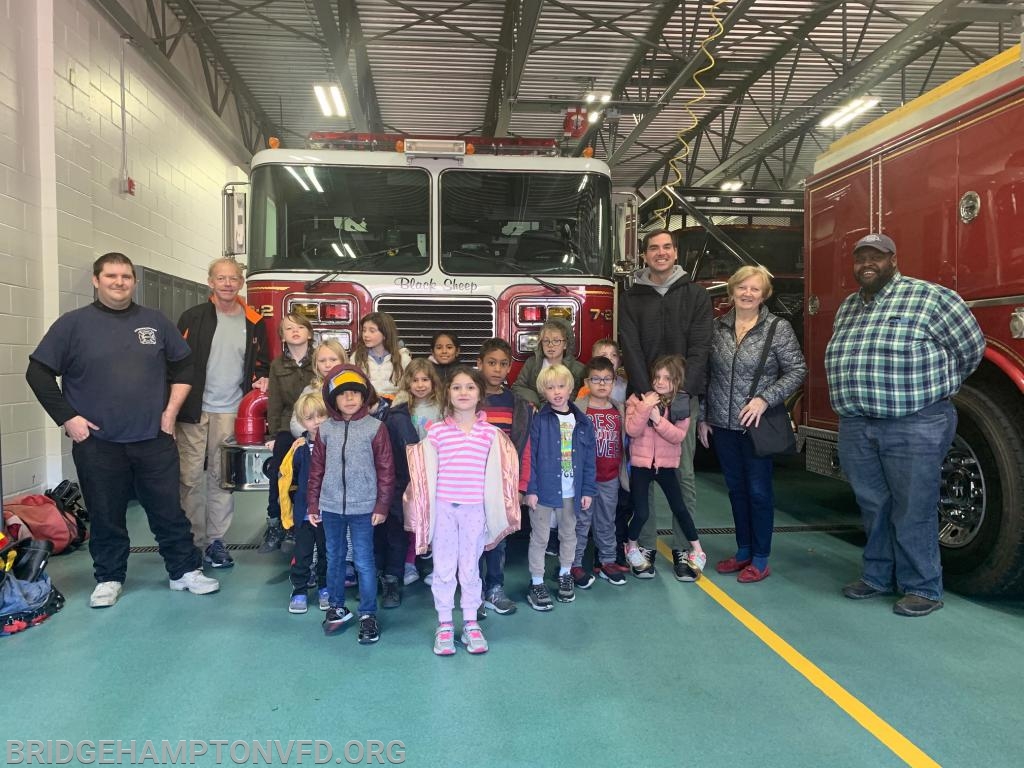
x,y
879,242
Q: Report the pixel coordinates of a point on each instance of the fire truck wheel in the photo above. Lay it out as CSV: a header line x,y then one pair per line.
x,y
981,506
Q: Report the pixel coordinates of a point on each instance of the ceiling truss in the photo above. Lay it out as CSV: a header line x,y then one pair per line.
x,y
510,68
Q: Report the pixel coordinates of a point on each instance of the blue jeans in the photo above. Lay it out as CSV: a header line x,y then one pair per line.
x,y
360,529
751,491
894,466
495,561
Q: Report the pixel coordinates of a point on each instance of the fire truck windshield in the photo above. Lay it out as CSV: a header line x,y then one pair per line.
x,y
520,222
340,218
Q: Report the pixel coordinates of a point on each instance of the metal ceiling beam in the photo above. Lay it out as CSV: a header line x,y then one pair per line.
x,y
517,30
919,37
736,13
251,11
339,57
647,41
438,18
640,50
202,31
123,21
738,92
352,30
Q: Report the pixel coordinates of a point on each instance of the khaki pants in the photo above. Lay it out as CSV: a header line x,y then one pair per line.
x,y
540,525
207,506
687,484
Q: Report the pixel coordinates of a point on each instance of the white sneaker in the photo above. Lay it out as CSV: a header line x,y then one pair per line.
x,y
411,574
636,559
196,583
105,594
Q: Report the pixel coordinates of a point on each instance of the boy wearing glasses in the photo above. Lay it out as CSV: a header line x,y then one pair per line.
x,y
554,347
608,417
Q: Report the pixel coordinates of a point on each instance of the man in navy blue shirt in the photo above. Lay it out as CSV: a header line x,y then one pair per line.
x,y
116,360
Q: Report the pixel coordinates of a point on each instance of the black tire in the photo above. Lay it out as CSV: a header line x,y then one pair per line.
x,y
983,478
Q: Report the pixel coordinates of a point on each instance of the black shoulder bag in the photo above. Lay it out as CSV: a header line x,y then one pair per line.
x,y
774,436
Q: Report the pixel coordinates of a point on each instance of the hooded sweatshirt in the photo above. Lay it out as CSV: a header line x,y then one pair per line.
x,y
670,318
352,470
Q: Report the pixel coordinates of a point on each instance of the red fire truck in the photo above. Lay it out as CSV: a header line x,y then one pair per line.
x,y
484,238
944,177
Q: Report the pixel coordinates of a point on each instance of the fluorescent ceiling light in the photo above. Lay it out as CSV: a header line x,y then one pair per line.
x,y
304,185
330,100
311,174
731,186
321,96
337,250
348,250
593,117
848,112
339,104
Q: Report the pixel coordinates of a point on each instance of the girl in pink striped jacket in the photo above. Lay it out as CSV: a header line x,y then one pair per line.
x,y
462,497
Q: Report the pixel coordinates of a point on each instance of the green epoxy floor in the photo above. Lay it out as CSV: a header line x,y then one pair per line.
x,y
655,673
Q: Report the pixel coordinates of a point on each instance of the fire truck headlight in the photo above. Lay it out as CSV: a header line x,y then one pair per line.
x,y
342,337
526,343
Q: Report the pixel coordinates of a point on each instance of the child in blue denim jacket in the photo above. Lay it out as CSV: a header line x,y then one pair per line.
x,y
563,479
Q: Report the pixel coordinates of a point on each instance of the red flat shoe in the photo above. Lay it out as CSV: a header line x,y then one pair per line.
x,y
732,565
750,574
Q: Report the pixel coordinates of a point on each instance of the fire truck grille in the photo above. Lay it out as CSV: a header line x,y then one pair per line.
x,y
419,317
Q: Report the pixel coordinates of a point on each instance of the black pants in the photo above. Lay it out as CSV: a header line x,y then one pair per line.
x,y
306,536
390,543
109,473
640,479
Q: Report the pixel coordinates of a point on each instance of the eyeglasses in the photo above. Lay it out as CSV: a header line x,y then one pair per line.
x,y
602,380
552,342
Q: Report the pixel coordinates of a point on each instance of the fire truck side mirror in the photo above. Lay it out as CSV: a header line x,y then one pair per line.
x,y
626,248
234,219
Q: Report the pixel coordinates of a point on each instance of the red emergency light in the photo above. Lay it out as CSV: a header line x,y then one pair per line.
x,y
336,311
396,142
532,313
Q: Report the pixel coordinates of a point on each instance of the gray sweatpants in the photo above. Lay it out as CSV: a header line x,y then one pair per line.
x,y
601,518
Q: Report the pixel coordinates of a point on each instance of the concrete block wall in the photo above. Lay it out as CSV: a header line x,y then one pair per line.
x,y
60,199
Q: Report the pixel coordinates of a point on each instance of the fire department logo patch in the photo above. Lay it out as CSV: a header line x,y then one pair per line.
x,y
146,335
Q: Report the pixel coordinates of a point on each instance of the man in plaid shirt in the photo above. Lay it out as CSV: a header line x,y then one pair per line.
x,y
900,348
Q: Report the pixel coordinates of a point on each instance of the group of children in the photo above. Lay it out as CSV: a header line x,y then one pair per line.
x,y
398,458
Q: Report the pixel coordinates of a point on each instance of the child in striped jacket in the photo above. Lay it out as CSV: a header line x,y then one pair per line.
x,y
462,497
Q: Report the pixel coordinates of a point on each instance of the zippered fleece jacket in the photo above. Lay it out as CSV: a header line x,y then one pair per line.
x,y
353,470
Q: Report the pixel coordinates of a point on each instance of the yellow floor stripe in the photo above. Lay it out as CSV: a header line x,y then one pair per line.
x,y
872,723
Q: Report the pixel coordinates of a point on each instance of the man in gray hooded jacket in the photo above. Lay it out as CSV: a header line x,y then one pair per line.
x,y
666,314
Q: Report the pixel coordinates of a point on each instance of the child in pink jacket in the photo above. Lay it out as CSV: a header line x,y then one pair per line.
x,y
654,455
